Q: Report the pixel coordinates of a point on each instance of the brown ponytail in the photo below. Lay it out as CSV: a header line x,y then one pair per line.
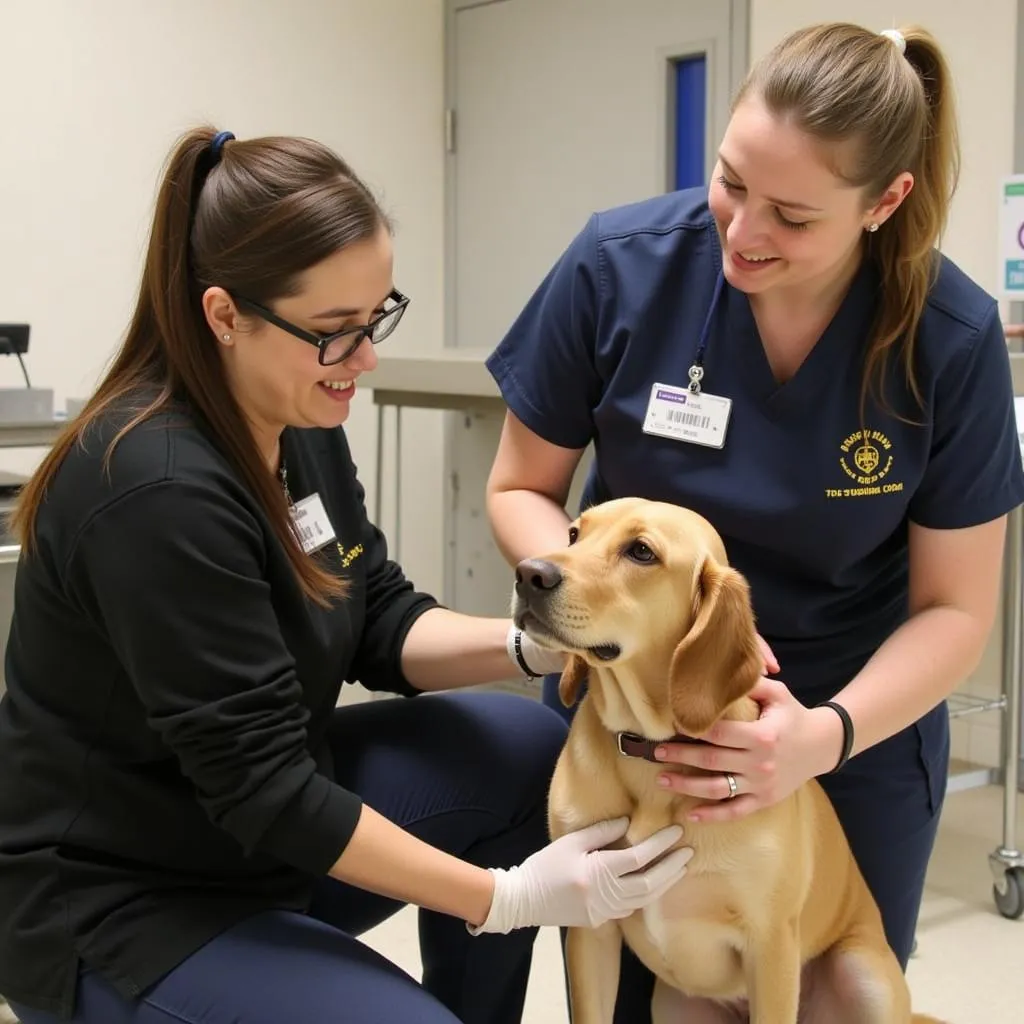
x,y
252,223
839,83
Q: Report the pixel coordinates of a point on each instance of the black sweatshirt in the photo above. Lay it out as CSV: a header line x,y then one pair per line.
x,y
162,741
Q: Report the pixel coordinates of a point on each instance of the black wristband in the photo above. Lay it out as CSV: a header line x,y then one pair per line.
x,y
517,646
844,717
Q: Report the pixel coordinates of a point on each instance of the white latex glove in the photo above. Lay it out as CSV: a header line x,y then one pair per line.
x,y
541,660
572,882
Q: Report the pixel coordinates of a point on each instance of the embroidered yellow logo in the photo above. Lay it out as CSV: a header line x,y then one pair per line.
x,y
349,556
867,460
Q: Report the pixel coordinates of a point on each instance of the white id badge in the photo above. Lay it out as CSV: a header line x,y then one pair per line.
x,y
681,415
310,519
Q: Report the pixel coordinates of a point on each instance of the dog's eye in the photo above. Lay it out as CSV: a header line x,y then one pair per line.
x,y
640,552
574,534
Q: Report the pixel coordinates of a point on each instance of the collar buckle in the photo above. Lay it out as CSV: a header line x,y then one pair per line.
x,y
631,737
629,744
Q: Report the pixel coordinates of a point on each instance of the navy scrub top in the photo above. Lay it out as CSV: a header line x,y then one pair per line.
x,y
815,518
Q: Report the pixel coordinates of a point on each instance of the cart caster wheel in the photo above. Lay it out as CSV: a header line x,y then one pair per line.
x,y
1010,901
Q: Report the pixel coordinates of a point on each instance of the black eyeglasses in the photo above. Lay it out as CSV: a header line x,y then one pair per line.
x,y
337,347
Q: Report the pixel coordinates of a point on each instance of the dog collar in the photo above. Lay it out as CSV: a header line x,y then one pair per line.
x,y
632,745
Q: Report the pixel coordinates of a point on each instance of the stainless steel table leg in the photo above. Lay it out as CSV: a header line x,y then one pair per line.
x,y
1007,862
397,546
378,500
1012,779
1013,640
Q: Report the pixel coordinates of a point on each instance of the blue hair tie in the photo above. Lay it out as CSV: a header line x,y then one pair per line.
x,y
218,144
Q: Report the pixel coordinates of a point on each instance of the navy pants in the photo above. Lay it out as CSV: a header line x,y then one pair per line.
x,y
888,800
466,772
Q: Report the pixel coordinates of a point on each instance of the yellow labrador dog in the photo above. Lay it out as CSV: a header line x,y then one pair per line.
x,y
773,923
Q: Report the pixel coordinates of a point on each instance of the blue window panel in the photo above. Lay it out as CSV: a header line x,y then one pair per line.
x,y
691,120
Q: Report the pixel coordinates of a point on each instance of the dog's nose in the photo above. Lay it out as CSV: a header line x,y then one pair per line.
x,y
535,574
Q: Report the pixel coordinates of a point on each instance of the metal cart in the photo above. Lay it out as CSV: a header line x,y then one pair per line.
x,y
1007,860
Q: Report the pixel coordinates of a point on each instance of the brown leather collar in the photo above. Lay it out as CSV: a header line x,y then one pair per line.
x,y
632,745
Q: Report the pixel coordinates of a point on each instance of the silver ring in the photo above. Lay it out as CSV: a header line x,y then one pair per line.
x,y
733,788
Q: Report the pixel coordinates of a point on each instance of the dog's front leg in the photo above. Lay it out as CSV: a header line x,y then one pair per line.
x,y
772,967
592,957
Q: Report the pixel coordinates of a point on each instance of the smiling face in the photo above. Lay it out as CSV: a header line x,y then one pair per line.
x,y
786,220
276,377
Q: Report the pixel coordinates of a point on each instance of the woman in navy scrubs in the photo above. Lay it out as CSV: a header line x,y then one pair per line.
x,y
787,353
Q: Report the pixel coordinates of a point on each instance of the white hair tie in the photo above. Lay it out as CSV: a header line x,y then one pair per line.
x,y
897,37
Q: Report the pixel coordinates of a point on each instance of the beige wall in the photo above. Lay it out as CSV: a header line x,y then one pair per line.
x,y
92,95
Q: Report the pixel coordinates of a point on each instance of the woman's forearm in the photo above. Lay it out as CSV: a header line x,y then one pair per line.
x,y
927,658
526,524
445,650
385,859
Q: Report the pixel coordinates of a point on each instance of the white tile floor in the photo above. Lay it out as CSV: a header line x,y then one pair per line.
x,y
969,967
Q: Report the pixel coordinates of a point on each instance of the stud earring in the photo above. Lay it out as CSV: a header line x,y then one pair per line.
x,y
872,227
227,337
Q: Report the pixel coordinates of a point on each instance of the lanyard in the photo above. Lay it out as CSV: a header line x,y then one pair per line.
x,y
696,371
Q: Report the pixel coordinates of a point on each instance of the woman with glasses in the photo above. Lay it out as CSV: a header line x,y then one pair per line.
x,y
191,829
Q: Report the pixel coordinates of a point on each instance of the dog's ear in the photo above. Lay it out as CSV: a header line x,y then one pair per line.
x,y
718,661
573,674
